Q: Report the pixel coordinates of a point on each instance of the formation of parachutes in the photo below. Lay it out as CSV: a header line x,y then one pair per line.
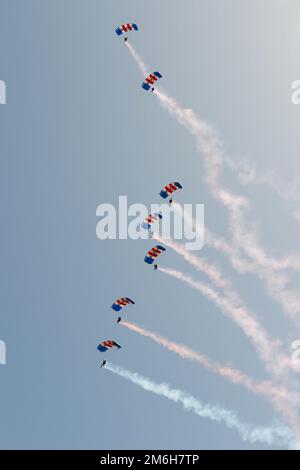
x,y
152,255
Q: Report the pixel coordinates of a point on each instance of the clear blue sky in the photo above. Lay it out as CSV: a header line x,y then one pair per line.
x,y
78,130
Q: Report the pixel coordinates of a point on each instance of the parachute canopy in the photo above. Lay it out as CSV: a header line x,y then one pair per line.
x,y
150,219
150,80
169,189
154,253
105,345
126,27
120,303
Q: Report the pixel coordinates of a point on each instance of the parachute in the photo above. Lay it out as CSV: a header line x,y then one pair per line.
x,y
124,28
154,253
150,219
120,303
105,345
150,80
169,189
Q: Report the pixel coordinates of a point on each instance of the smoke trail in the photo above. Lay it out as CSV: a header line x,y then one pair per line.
x,y
247,174
267,349
275,281
267,389
211,149
204,266
200,264
261,265
283,401
239,263
218,243
268,269
272,435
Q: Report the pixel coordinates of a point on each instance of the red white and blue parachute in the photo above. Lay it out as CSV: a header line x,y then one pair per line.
x,y
120,303
124,28
105,345
169,189
150,219
150,80
154,253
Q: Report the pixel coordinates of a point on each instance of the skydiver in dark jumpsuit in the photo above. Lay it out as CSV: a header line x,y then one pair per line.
x,y
155,267
103,363
119,319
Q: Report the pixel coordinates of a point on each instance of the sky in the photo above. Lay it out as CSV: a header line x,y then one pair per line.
x,y
78,131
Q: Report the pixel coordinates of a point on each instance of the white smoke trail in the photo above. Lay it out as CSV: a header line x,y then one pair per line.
x,y
243,315
212,272
200,264
248,175
283,401
271,274
268,349
277,435
141,65
237,260
264,266
218,243
267,388
211,150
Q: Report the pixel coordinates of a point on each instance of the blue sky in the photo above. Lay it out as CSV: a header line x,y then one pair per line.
x,y
77,131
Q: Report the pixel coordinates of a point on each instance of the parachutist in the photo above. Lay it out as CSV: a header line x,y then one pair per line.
x,y
125,39
119,319
152,89
170,201
155,267
103,363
